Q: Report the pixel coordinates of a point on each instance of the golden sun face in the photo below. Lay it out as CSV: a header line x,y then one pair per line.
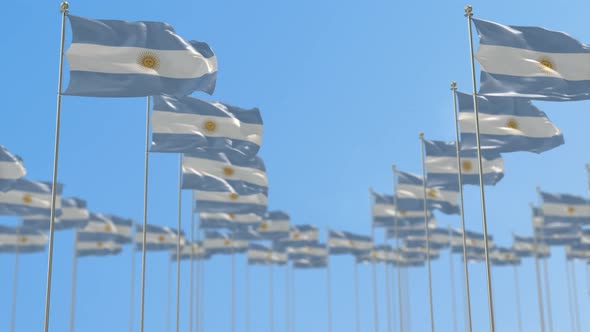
x,y
467,165
233,196
210,126
512,124
228,171
27,199
546,64
161,238
571,210
432,193
148,60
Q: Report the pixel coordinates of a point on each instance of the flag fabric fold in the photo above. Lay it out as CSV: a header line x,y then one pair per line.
x,y
11,168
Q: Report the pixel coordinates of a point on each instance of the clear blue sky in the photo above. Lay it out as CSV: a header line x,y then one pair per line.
x,y
344,87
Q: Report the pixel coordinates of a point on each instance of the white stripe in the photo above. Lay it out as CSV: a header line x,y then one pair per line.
x,y
259,254
352,244
274,226
74,213
448,165
224,197
237,218
318,252
94,245
37,200
417,192
221,243
99,227
521,62
383,210
11,170
216,169
126,60
304,236
158,238
193,124
16,239
490,124
564,210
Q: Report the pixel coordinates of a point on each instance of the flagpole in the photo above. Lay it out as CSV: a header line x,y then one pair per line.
x,y
14,282
202,299
271,297
168,295
74,281
328,285
575,292
233,285
293,298
469,15
192,266
132,286
374,272
409,304
517,293
287,317
548,296
247,297
64,12
427,232
356,298
538,274
398,268
460,179
198,267
453,299
569,296
178,240
387,290
145,210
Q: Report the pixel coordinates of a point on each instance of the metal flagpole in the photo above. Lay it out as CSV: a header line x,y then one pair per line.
x,y
398,268
178,240
408,303
356,298
202,299
287,317
64,12
328,286
569,297
539,281
548,295
427,232
460,179
192,265
387,290
453,299
293,298
469,15
233,285
168,296
132,275
247,297
375,300
74,281
145,210
14,283
517,294
575,292
271,296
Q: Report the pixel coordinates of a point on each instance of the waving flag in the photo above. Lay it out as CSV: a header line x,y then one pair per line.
x,y
158,238
220,243
565,208
341,242
410,193
110,58
415,229
228,220
214,171
88,244
312,251
11,169
231,202
504,257
378,254
123,227
506,125
439,239
27,197
299,236
442,169
310,263
23,239
276,225
246,234
264,255
532,62
189,250
187,124
475,241
524,246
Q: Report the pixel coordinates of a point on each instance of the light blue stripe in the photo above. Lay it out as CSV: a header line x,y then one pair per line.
x,y
98,252
210,183
539,87
73,202
563,199
229,157
6,184
498,106
23,210
224,207
527,37
190,105
22,249
382,199
155,246
183,143
95,84
154,35
409,179
449,149
512,143
6,155
451,181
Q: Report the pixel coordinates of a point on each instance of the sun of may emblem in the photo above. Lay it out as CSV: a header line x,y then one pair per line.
x,y
263,226
234,196
571,210
108,228
226,243
148,60
228,171
512,124
210,126
99,244
232,216
27,199
161,238
23,239
467,165
546,64
432,193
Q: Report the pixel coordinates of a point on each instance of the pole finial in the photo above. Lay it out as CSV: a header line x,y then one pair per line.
x,y
468,11
64,7
453,85
421,135
393,167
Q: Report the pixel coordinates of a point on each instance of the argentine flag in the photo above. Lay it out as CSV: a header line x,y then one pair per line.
x,y
228,220
187,124
341,242
576,252
123,227
310,263
565,208
230,202
110,58
442,168
246,234
193,251
379,254
275,225
532,62
414,229
439,239
524,246
11,169
410,193
506,125
504,257
475,241
90,244
23,239
299,236
384,213
158,238
74,214
311,251
221,243
27,197
214,171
